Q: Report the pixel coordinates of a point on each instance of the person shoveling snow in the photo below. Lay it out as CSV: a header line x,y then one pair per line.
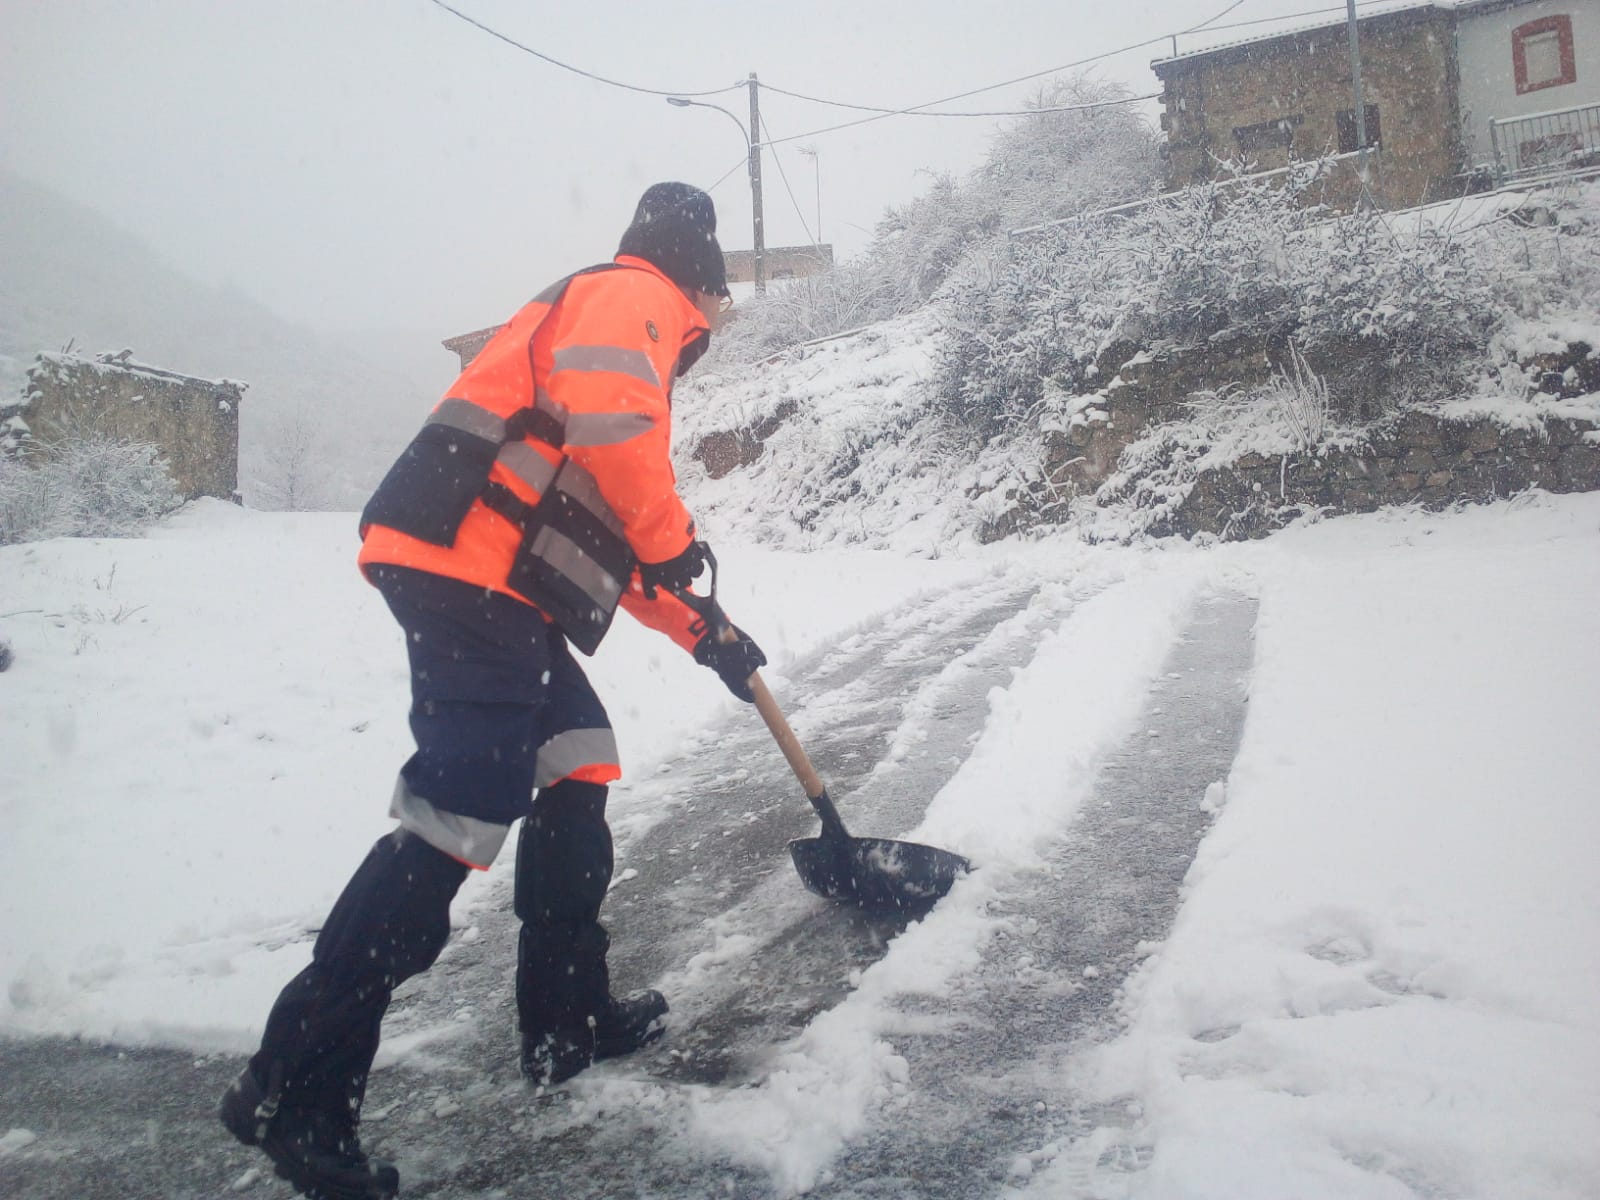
x,y
537,499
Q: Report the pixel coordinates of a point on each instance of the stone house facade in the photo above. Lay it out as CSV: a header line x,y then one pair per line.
x,y
1432,75
194,422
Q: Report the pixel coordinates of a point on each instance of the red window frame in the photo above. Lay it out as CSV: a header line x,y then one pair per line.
x,y
1561,25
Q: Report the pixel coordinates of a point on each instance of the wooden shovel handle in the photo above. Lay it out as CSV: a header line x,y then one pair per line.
x,y
778,724
784,736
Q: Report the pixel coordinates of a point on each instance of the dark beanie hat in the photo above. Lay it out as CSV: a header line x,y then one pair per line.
x,y
675,227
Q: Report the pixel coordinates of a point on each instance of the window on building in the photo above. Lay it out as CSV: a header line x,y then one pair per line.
x,y
1347,128
1266,135
1542,55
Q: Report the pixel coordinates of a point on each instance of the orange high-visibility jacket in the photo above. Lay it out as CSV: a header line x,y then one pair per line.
x,y
545,472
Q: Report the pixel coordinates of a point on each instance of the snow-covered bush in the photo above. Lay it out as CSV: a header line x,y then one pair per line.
x,y
1081,151
1548,262
1066,157
293,462
1235,259
1300,396
799,310
92,486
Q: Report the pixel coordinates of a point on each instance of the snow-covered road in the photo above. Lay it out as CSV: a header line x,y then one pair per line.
x,y
1352,958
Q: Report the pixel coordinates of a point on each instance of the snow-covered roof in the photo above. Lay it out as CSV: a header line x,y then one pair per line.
x,y
122,361
477,336
1330,22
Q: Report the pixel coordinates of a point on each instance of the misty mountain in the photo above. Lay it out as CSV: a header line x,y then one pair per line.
x,y
344,405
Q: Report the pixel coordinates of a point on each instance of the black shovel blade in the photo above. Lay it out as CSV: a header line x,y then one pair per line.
x,y
876,872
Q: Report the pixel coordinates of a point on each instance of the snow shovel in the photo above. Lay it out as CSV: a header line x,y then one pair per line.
x,y
869,872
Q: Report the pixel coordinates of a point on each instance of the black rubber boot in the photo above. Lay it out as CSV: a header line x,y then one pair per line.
x,y
565,1009
300,1098
316,1150
623,1025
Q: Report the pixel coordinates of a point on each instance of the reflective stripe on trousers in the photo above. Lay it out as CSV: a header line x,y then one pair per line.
x,y
465,839
574,754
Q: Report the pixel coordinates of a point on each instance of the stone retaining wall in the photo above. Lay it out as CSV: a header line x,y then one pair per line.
x,y
1411,457
1420,459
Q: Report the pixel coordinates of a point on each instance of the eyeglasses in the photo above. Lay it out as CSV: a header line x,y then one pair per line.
x,y
724,304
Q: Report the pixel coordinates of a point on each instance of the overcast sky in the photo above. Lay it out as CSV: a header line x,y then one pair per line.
x,y
382,163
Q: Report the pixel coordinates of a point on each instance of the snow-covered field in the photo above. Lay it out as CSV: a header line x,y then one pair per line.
x,y
1381,978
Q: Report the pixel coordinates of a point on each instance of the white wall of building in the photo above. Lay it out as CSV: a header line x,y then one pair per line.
x,y
1488,78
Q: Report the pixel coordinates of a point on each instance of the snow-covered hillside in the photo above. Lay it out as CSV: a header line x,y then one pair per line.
x,y
72,276
852,452
1091,376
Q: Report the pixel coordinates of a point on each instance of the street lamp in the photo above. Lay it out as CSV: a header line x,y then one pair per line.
x,y
816,173
753,165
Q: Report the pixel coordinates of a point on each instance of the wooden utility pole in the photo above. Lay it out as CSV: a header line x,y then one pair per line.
x,y
759,229
1360,113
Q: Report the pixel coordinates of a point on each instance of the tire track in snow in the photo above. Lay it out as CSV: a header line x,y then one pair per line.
x,y
988,1102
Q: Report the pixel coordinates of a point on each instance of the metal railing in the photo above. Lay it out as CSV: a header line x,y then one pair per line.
x,y
1309,169
1545,143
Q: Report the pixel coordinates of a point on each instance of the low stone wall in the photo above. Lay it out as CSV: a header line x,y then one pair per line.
x,y
1420,459
1414,457
194,422
1142,390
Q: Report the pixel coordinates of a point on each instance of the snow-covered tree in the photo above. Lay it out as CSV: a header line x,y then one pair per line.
x,y
293,467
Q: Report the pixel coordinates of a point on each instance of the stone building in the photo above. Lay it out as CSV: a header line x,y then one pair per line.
x,y
1433,76
194,422
466,346
780,262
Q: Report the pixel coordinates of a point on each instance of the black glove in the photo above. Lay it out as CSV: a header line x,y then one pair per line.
x,y
735,661
676,574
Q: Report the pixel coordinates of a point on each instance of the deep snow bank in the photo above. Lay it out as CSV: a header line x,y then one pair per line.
x,y
1382,980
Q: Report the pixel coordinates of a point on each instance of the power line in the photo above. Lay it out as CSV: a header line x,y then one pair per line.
x,y
1209,20
912,112
721,179
916,109
617,83
919,110
784,175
